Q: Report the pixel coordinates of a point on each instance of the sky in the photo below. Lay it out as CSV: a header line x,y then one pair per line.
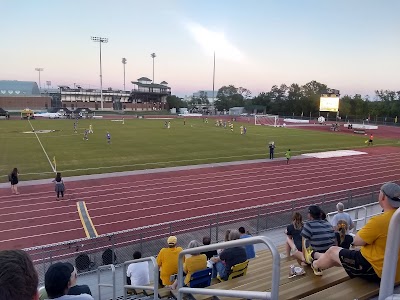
x,y
350,45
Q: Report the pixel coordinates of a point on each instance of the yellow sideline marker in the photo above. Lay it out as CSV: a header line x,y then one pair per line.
x,y
86,220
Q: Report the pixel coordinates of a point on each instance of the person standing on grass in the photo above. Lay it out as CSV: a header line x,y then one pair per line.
x,y
90,128
75,127
271,150
85,135
59,186
13,177
288,156
108,138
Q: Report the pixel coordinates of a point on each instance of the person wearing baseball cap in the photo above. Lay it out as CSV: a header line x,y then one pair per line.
x,y
167,261
367,262
57,281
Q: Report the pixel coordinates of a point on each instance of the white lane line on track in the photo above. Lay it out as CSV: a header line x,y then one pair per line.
x,y
350,162
292,177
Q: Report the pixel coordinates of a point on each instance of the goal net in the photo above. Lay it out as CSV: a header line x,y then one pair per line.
x,y
270,120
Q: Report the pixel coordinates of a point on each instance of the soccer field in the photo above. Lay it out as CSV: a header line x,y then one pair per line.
x,y
145,143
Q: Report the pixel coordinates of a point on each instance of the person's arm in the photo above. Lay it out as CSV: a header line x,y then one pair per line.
x,y
358,241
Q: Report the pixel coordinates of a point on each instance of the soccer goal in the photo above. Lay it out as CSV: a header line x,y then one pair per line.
x,y
270,120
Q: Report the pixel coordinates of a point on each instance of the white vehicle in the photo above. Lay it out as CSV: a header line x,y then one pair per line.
x,y
48,115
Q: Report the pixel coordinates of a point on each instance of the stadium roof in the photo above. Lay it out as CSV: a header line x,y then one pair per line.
x,y
154,85
18,88
144,79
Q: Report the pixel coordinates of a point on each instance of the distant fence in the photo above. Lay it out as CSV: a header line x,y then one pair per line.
x,y
87,254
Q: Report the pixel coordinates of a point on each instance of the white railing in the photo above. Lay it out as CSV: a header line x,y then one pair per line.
x,y
357,218
391,257
108,285
233,293
142,287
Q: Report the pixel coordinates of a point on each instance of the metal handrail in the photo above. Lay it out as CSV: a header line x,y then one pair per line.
x,y
99,284
142,287
391,256
233,293
356,208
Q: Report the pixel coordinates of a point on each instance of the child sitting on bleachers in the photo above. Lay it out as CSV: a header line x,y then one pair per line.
x,y
343,239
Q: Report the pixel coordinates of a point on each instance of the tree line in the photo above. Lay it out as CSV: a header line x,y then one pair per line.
x,y
298,100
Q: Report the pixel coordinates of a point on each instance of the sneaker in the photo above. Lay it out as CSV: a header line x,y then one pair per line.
x,y
317,271
308,255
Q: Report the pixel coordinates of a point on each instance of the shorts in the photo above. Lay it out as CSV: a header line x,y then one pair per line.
x,y
356,265
370,141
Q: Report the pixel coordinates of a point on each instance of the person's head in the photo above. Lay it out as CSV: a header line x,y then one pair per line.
x,y
227,235
58,176
342,228
340,207
242,230
194,244
18,277
172,240
15,171
315,212
206,240
137,255
234,235
389,196
57,279
297,220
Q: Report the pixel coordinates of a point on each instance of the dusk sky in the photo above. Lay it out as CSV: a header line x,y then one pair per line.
x,y
353,46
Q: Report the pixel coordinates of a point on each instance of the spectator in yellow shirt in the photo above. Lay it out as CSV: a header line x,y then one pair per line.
x,y
167,260
193,263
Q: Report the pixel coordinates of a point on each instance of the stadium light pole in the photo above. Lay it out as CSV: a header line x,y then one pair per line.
x,y
124,63
100,40
214,80
39,70
153,55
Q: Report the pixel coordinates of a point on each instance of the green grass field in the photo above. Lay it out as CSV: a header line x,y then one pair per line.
x,y
144,144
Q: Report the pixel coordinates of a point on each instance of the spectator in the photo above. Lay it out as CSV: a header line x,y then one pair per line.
x,y
57,281
138,272
59,186
18,277
250,252
294,240
167,260
341,215
194,263
211,253
367,262
319,233
14,181
229,257
226,238
76,289
343,239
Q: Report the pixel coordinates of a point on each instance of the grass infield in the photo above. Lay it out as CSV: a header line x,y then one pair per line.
x,y
145,143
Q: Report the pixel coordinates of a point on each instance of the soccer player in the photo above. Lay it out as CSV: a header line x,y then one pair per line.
x,y
371,140
169,125
271,150
123,121
90,128
244,130
108,138
288,156
231,126
241,129
85,135
75,127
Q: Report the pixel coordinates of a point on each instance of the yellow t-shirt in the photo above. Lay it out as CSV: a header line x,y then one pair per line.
x,y
374,233
193,264
167,260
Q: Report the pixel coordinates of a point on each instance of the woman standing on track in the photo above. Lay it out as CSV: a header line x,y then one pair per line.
x,y
59,187
14,181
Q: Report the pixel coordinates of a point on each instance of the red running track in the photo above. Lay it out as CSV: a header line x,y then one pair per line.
x,y
117,203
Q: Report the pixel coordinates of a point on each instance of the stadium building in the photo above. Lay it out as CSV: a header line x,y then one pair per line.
x,y
145,96
17,95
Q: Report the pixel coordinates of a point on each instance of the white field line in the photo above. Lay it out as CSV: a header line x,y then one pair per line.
x,y
205,159
351,164
45,153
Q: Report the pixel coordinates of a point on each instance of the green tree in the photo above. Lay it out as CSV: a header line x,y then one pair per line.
x,y
175,102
